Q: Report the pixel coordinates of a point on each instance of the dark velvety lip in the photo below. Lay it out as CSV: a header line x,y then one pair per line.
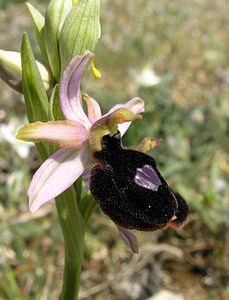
x,y
181,213
129,188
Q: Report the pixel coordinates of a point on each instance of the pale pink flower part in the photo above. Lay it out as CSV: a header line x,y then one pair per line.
x,y
64,133
94,110
58,172
69,93
129,239
136,105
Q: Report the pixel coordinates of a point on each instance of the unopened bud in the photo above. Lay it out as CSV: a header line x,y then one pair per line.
x,y
54,20
81,30
11,72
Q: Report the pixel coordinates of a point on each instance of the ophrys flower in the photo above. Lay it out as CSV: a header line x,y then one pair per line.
x,y
75,135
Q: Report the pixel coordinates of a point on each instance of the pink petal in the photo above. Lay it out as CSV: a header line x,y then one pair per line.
x,y
62,133
93,109
136,105
69,92
129,239
55,175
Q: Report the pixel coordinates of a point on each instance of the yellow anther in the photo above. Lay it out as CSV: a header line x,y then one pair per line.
x,y
95,71
74,1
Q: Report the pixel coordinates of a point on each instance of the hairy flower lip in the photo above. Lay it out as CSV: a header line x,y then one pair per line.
x,y
181,213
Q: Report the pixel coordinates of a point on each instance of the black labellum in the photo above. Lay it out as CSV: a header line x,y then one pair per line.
x,y
131,191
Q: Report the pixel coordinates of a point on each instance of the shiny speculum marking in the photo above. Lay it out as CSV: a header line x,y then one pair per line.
x,y
147,178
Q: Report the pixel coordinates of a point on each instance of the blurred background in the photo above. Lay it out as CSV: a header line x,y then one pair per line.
x,y
174,55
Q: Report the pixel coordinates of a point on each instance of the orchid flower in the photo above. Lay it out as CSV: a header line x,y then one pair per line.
x,y
76,136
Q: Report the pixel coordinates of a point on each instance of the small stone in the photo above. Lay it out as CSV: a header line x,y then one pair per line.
x,y
166,295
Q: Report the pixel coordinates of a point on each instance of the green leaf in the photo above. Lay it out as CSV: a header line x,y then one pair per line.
x,y
55,110
36,99
38,25
13,290
55,16
81,31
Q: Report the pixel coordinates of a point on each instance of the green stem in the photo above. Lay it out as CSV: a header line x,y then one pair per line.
x,y
71,282
87,205
73,229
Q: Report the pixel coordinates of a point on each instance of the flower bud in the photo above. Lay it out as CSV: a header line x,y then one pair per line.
x,y
10,69
11,72
81,30
54,20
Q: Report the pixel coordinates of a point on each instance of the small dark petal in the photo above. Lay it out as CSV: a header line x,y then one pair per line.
x,y
181,213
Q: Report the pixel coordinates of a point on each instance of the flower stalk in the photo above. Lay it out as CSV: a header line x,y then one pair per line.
x,y
73,230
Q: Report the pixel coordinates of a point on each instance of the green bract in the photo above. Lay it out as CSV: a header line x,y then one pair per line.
x,y
54,19
55,110
38,26
36,100
80,32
